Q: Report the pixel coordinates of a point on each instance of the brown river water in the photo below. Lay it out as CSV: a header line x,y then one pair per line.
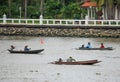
x,y
37,67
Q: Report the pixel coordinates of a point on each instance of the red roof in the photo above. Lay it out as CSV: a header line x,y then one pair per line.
x,y
88,4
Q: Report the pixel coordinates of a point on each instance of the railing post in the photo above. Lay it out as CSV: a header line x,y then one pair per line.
x,y
116,22
102,22
32,21
66,22
4,19
73,22
94,22
109,22
19,21
60,22
47,21
26,21
12,21
53,22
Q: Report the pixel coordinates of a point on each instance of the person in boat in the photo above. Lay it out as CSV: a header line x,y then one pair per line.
x,y
12,47
60,60
102,45
88,45
26,48
70,59
82,46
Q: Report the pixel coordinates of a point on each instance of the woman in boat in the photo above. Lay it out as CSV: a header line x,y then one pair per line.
x,y
70,59
102,45
26,48
12,47
88,45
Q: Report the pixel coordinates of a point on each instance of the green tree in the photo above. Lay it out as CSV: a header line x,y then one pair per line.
x,y
72,11
52,9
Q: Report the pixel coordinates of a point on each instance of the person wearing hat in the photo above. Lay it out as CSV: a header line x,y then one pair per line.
x,y
70,59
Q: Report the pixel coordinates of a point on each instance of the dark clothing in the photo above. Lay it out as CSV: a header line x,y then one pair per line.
x,y
82,46
60,59
26,48
12,47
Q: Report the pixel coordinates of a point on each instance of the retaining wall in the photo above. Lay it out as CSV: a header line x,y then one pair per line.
x,y
64,32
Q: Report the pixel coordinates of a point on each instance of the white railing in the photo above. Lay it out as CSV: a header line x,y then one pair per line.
x,y
67,22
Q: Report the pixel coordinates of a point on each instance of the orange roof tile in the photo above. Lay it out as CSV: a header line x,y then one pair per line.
x,y
88,4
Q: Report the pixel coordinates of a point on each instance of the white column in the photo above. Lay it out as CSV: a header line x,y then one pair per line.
x,y
86,20
106,13
4,19
91,12
41,18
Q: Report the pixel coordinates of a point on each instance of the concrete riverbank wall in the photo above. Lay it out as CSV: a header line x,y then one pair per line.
x,y
62,31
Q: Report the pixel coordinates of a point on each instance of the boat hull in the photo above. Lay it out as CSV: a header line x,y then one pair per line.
x,y
27,52
109,48
88,62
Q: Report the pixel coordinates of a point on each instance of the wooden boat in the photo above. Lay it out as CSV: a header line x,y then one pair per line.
x,y
108,48
88,62
26,52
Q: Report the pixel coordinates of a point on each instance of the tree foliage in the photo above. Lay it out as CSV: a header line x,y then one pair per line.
x,y
59,9
51,8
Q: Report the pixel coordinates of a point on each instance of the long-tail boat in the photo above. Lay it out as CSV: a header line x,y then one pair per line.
x,y
88,62
26,52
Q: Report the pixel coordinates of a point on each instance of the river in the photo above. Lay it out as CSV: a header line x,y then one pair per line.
x,y
37,67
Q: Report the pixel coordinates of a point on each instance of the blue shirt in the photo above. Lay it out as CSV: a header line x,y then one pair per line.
x,y
88,46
